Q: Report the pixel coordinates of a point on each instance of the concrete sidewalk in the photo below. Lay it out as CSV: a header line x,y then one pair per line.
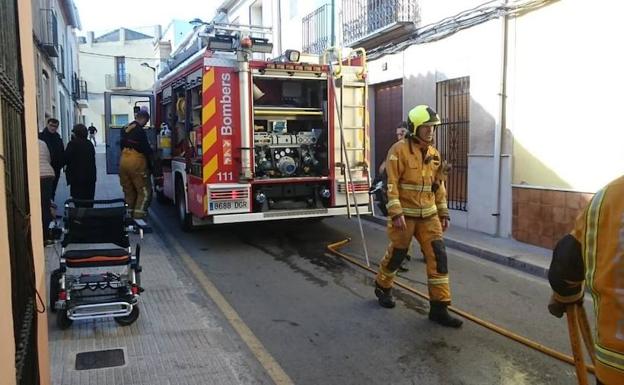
x,y
506,251
181,337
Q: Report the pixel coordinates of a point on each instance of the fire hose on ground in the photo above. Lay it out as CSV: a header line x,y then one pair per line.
x,y
577,319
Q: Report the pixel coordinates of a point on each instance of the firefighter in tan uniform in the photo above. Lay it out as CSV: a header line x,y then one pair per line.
x,y
593,255
417,208
135,166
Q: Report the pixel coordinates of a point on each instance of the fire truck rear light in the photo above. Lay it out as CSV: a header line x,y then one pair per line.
x,y
134,289
62,295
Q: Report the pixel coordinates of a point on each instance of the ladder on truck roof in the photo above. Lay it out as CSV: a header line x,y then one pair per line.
x,y
350,96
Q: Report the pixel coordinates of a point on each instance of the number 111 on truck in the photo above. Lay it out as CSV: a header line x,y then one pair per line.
x,y
245,138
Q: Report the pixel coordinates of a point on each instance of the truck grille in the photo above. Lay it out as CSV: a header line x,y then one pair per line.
x,y
356,186
228,194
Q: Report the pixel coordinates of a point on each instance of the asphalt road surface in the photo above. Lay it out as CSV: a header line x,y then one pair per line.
x,y
318,318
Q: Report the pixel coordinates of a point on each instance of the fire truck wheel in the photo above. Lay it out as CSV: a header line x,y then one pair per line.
x,y
184,218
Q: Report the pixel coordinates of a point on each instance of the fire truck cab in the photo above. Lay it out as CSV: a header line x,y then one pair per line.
x,y
243,139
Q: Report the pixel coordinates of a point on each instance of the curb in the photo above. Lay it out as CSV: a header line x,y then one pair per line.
x,y
483,252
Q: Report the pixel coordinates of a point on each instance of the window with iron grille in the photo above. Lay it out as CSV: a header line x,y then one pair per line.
x,y
364,18
453,107
317,30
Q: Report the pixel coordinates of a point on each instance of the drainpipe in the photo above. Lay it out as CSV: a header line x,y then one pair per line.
x,y
279,28
499,129
333,23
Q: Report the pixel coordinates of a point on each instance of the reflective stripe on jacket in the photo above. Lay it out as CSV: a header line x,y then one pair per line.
x,y
593,254
415,181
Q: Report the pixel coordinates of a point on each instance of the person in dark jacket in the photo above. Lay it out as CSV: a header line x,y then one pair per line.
x,y
135,166
81,170
56,147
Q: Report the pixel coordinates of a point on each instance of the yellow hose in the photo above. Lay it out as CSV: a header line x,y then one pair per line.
x,y
495,328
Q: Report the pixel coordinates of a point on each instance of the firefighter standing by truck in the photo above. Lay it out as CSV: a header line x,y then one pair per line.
x,y
135,166
593,254
417,207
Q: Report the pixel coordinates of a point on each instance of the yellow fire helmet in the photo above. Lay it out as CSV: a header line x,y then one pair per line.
x,y
421,115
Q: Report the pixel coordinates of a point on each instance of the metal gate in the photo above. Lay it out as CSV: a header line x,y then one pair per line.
x,y
388,115
13,144
453,106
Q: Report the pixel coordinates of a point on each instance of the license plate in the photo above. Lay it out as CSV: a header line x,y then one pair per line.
x,y
230,206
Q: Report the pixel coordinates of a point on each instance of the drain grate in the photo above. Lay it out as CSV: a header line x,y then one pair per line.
x,y
100,359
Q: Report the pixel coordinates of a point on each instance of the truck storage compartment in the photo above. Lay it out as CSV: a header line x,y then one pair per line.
x,y
290,128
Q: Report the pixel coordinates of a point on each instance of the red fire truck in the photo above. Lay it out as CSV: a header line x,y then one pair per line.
x,y
243,139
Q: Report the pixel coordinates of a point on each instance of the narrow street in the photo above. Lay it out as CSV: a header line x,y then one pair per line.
x,y
318,317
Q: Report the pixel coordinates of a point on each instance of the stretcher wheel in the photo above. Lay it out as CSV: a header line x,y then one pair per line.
x,y
54,289
130,318
62,320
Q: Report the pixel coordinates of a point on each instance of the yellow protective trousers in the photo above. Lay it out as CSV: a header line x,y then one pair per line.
x,y
428,233
135,182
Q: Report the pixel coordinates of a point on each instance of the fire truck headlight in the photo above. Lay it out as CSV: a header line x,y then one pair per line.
x,y
260,198
292,55
261,45
325,193
221,43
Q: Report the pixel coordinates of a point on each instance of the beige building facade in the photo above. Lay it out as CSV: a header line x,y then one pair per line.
x,y
19,149
113,62
56,56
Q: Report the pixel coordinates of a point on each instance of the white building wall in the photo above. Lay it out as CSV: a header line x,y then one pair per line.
x,y
285,19
477,53
98,60
565,95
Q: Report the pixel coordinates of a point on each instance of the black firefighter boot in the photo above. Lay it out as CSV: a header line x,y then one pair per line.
x,y
384,296
438,313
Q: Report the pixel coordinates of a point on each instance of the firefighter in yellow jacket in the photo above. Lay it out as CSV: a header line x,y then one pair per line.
x,y
417,208
135,166
593,255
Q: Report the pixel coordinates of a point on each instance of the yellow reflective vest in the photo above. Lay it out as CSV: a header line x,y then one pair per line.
x,y
415,181
593,255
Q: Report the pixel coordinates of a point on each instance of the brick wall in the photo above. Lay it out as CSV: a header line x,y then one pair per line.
x,y
542,217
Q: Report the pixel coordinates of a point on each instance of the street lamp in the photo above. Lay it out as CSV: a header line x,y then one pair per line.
x,y
146,65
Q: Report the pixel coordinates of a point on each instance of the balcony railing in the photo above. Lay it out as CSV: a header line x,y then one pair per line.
x,y
79,88
317,30
116,82
367,20
48,32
